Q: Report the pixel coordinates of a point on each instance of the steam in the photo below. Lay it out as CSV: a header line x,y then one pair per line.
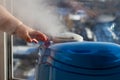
x,y
39,15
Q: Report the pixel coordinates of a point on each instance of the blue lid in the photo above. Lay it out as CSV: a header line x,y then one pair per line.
x,y
91,55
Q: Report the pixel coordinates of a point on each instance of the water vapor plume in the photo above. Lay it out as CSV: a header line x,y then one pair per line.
x,y
40,14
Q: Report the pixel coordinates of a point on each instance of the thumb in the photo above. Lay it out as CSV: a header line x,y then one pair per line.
x,y
27,38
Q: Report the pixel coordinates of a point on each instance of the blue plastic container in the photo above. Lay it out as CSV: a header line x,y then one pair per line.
x,y
80,61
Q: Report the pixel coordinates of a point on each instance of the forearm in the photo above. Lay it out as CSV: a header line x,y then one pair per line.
x,y
11,25
8,23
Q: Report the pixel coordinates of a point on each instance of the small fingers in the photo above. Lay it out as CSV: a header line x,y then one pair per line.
x,y
35,41
40,36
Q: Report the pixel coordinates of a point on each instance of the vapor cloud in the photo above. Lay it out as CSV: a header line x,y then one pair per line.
x,y
39,15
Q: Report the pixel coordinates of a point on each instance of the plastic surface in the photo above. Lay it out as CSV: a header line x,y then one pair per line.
x,y
87,54
81,61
